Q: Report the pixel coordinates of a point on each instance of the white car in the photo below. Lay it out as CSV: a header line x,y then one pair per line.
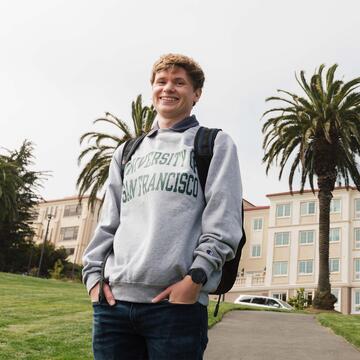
x,y
262,302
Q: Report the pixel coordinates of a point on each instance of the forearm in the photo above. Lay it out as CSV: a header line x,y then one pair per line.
x,y
103,238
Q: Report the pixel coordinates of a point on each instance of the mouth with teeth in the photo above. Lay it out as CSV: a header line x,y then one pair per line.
x,y
168,99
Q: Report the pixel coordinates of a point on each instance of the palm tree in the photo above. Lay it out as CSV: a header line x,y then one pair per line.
x,y
320,134
101,146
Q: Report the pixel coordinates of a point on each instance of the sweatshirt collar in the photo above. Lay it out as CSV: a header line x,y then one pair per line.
x,y
181,126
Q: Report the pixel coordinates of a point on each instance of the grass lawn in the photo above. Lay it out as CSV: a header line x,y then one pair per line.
x,y
50,319
44,319
347,326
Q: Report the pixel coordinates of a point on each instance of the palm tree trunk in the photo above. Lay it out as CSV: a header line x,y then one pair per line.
x,y
323,298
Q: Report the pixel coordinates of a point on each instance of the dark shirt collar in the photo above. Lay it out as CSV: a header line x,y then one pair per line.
x,y
181,126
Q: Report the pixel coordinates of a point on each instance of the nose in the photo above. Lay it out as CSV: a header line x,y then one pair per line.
x,y
168,87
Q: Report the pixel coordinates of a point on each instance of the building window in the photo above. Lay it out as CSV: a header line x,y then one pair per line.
x,y
357,238
282,238
69,233
257,224
357,208
256,251
334,265
281,296
357,269
334,235
70,251
283,210
307,208
335,206
357,300
306,267
51,210
72,210
306,237
280,268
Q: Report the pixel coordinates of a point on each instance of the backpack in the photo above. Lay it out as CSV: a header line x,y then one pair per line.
x,y
203,149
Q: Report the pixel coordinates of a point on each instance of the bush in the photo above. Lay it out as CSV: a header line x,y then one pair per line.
x,y
73,271
50,257
58,268
299,302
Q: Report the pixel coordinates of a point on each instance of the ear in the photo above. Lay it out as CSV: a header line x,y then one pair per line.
x,y
197,94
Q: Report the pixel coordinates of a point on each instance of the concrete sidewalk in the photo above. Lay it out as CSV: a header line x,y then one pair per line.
x,y
262,335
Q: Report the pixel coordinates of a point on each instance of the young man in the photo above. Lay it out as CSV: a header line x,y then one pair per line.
x,y
170,238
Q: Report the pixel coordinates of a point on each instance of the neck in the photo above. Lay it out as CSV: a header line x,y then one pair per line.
x,y
166,123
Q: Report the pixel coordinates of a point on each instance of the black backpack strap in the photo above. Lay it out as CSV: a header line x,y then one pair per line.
x,y
203,149
102,298
128,151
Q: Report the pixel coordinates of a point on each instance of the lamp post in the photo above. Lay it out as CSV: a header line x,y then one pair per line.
x,y
50,216
73,264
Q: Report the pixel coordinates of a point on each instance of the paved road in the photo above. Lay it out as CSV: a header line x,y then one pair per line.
x,y
255,335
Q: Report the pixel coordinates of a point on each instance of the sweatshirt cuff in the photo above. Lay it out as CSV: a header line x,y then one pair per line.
x,y
202,263
92,280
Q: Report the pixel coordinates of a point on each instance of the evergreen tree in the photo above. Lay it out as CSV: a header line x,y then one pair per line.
x,y
18,197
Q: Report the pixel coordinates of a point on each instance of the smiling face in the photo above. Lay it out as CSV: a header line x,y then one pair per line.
x,y
173,94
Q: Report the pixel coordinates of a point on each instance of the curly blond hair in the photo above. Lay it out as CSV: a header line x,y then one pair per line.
x,y
191,67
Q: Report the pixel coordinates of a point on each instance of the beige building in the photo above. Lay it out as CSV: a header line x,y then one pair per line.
x,y
70,225
282,255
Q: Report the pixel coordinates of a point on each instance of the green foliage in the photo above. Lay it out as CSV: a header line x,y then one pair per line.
x,y
320,130
18,196
72,271
299,302
320,134
51,257
56,273
101,146
9,183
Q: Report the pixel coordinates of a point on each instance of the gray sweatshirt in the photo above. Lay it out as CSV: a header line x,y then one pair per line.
x,y
159,221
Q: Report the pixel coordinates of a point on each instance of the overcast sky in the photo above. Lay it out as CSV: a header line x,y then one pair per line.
x,y
64,63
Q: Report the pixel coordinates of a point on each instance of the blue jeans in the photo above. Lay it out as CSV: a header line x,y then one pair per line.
x,y
162,331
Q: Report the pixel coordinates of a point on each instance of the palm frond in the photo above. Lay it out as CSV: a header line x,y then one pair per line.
x,y
101,146
327,119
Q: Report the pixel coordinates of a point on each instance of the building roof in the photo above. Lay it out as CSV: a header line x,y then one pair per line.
x,y
308,191
74,197
257,208
247,203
